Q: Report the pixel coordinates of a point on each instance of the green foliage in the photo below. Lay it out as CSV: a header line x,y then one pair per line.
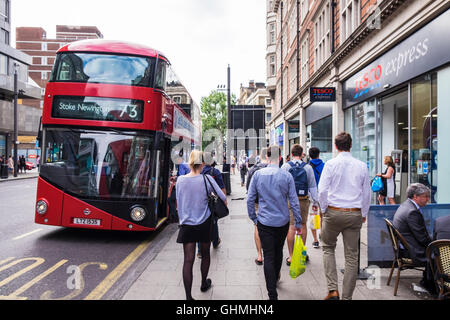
x,y
214,112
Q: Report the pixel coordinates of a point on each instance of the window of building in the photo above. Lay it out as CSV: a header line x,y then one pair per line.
x,y
272,66
268,102
3,64
292,25
272,33
350,17
304,8
322,37
284,43
44,60
285,86
177,99
292,76
268,116
304,50
44,46
44,75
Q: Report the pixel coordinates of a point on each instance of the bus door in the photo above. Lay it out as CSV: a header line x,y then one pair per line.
x,y
163,158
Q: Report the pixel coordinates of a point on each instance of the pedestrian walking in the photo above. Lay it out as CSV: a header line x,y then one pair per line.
x,y
195,220
306,188
209,169
22,164
233,164
344,196
243,168
262,164
317,164
11,165
273,187
388,178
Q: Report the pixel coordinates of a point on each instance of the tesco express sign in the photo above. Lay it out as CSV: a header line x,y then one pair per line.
x,y
425,50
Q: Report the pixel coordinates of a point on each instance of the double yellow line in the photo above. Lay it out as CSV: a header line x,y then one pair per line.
x,y
112,277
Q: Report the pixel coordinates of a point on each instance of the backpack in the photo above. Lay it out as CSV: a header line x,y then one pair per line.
x,y
298,172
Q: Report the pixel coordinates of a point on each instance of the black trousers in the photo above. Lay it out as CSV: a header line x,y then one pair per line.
x,y
272,242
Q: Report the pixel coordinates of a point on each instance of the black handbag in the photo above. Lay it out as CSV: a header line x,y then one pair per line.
x,y
216,205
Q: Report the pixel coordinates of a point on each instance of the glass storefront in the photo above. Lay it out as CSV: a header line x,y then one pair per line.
x,y
319,135
360,121
423,167
3,145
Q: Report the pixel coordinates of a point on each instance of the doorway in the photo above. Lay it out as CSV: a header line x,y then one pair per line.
x,y
394,138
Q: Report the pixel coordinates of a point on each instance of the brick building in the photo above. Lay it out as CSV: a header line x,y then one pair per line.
x,y
13,62
390,68
34,42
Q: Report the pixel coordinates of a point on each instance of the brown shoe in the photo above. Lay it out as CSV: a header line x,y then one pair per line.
x,y
332,295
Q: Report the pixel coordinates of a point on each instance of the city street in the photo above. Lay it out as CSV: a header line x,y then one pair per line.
x,y
41,262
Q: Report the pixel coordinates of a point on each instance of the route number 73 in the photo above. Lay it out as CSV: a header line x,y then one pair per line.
x,y
132,113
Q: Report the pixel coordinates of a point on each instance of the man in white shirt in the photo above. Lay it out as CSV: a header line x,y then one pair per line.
x,y
344,197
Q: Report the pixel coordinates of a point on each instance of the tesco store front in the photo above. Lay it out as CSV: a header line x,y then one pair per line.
x,y
399,105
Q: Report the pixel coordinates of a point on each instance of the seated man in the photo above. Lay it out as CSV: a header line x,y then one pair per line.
x,y
442,228
409,221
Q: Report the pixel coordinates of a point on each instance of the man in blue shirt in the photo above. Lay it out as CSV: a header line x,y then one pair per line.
x,y
273,187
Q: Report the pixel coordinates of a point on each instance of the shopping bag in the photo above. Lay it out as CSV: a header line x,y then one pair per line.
x,y
317,221
377,184
298,261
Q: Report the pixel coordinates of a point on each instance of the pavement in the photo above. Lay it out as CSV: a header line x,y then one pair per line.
x,y
29,174
235,276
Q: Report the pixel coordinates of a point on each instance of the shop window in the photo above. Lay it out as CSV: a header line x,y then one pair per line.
x,y
320,136
423,132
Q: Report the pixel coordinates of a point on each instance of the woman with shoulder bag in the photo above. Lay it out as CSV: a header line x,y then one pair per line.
x,y
195,219
388,178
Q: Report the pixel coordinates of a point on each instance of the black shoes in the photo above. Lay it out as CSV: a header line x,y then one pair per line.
x,y
206,286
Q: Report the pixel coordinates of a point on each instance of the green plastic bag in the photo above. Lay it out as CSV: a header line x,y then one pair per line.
x,y
298,261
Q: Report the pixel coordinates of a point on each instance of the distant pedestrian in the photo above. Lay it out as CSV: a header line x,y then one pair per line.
x,y
344,196
11,165
195,220
306,190
22,164
262,164
243,168
274,188
317,165
388,178
233,164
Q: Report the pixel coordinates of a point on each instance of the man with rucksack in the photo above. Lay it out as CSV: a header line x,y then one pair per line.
x,y
317,165
305,187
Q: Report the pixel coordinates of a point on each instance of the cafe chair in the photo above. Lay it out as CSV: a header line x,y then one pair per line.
x,y
438,254
401,255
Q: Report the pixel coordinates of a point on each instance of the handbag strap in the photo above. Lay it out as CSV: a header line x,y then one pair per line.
x,y
213,190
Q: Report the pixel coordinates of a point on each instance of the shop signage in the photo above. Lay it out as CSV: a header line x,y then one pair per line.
x,y
327,94
294,126
423,51
95,108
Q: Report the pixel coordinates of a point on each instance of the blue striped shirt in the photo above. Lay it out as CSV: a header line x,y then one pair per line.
x,y
274,187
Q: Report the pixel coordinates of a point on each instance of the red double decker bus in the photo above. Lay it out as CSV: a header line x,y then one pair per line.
x,y
111,112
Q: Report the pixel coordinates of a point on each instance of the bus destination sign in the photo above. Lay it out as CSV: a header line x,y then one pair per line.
x,y
99,109
326,94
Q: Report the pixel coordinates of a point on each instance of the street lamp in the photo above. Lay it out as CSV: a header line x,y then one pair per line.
x,y
16,130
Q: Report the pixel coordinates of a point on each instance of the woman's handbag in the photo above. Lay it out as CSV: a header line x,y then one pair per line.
x,y
377,184
216,205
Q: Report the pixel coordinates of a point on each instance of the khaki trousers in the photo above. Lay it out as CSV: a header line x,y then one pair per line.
x,y
349,224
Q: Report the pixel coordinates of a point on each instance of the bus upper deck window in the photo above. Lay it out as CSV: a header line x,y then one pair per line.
x,y
160,80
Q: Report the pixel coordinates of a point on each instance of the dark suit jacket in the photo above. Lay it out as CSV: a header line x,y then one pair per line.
x,y
442,228
411,224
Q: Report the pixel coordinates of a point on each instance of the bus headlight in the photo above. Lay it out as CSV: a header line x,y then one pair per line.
x,y
41,207
138,214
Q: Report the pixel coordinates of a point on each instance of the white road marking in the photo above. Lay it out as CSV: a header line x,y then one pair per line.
x,y
27,234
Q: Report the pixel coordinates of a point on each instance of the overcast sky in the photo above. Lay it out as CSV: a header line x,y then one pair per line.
x,y
200,37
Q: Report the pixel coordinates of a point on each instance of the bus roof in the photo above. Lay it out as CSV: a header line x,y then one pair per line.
x,y
110,46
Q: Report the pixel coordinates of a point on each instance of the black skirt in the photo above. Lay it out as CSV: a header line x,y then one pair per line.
x,y
195,233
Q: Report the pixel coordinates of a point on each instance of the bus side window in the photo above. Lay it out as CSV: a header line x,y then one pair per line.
x,y
160,80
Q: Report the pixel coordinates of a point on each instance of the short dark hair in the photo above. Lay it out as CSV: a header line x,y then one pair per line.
x,y
343,141
297,150
314,152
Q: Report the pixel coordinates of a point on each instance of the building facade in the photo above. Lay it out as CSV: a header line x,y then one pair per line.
x,y
34,42
13,62
390,70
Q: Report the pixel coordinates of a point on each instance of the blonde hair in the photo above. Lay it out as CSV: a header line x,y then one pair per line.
x,y
195,160
389,160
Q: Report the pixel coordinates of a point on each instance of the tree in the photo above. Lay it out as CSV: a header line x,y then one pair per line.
x,y
214,113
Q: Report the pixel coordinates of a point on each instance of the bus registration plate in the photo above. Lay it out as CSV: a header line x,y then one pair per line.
x,y
90,222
